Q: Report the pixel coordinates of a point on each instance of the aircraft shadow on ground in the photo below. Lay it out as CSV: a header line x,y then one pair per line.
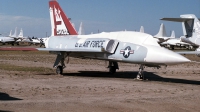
x,y
5,111
149,76
6,97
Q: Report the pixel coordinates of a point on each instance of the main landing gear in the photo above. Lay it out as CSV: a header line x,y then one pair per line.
x,y
60,59
59,69
112,67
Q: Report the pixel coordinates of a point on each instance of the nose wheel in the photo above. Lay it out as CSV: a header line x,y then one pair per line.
x,y
140,75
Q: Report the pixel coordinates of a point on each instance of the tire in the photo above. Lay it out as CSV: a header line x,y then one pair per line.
x,y
139,77
59,70
112,70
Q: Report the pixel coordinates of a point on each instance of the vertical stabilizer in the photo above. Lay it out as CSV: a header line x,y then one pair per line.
x,y
142,29
81,30
172,34
191,29
15,34
21,33
191,26
60,24
10,33
161,32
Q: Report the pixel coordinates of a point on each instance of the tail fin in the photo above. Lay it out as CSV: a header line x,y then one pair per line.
x,y
191,26
10,33
161,32
20,34
81,30
15,34
173,34
142,29
60,24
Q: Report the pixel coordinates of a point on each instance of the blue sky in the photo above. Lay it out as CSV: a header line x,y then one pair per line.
x,y
103,15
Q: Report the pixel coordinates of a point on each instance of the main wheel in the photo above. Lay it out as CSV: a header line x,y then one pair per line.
x,y
59,70
112,69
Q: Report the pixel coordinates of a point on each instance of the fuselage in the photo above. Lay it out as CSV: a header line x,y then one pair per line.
x,y
6,39
132,47
192,41
175,41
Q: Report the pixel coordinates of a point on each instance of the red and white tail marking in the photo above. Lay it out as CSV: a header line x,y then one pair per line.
x,y
60,24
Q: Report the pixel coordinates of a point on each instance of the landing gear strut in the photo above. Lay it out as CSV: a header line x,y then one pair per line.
x,y
60,59
140,74
113,66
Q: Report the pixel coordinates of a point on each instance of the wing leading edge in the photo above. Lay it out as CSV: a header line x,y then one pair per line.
x,y
72,50
52,49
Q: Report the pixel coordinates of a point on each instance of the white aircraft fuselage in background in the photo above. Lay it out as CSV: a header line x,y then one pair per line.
x,y
6,39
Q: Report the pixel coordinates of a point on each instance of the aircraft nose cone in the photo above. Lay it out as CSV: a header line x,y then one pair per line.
x,y
165,56
174,58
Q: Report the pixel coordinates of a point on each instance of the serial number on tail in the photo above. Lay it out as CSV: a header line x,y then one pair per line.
x,y
62,32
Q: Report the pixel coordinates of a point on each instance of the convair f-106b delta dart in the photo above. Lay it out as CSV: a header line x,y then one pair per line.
x,y
123,46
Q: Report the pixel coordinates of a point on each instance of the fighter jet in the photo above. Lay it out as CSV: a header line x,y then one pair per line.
x,y
122,46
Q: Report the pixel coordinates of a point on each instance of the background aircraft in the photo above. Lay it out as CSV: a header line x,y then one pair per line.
x,y
35,41
5,40
176,42
162,36
124,46
13,38
191,29
10,39
171,42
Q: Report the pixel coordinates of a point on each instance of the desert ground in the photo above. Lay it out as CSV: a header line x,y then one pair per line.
x,y
28,83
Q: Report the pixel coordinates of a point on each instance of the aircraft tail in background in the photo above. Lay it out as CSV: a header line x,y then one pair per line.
x,y
81,30
20,34
15,34
10,33
60,24
162,31
162,36
142,29
173,34
191,25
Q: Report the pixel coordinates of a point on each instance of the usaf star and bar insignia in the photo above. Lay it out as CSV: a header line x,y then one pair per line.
x,y
126,52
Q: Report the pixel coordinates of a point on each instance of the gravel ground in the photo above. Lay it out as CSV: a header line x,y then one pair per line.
x,y
86,86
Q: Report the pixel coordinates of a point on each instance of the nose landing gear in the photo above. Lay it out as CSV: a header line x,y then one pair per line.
x,y
140,74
